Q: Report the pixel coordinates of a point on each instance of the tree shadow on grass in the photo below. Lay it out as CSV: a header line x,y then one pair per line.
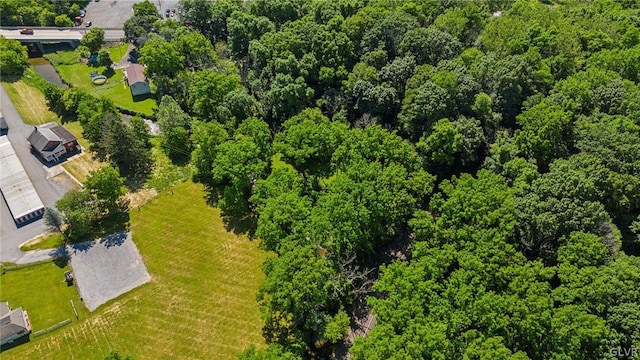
x,y
240,225
118,222
109,72
11,78
238,222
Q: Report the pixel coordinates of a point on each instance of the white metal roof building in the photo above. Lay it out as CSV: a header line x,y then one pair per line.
x,y
16,187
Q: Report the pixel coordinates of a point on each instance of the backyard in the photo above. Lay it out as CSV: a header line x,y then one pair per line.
x,y
200,302
43,293
78,74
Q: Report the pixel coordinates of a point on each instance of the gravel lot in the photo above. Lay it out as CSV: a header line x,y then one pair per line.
x,y
110,14
107,268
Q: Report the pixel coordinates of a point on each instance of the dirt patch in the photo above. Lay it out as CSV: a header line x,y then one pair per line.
x,y
140,197
82,165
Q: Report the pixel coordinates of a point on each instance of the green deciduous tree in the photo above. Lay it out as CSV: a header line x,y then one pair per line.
x,y
298,298
175,127
308,141
239,163
79,212
197,51
13,57
208,90
161,57
429,45
63,21
145,8
104,58
53,219
546,133
137,29
93,40
107,186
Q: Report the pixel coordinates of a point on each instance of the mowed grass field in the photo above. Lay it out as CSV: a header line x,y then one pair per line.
x,y
200,303
42,292
30,103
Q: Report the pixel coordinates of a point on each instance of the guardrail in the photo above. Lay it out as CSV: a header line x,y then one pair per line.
x,y
51,328
20,266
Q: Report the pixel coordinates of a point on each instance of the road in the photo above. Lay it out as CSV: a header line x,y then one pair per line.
x,y
49,190
54,34
43,34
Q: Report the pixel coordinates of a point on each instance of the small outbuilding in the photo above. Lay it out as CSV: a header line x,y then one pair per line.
x,y
138,83
14,324
52,141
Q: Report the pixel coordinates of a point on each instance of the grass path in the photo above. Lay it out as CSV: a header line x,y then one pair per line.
x,y
200,303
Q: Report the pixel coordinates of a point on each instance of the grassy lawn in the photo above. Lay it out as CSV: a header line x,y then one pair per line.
x,y
30,103
42,292
49,240
200,303
117,52
78,75
76,129
165,173
82,165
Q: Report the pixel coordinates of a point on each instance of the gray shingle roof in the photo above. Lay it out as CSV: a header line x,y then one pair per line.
x,y
43,139
13,323
48,136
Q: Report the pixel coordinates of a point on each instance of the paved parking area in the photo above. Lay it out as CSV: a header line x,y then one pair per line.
x,y
107,268
46,184
111,14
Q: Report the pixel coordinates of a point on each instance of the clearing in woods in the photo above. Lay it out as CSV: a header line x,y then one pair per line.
x,y
200,303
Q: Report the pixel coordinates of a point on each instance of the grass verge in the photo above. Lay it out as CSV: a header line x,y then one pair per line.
x,y
200,303
30,103
49,240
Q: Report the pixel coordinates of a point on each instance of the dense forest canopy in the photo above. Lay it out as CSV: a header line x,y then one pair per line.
x,y
499,140
477,161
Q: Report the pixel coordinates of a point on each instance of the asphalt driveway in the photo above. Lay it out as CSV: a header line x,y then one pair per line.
x,y
49,190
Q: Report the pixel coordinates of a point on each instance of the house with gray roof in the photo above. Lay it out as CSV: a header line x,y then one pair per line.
x,y
14,324
52,141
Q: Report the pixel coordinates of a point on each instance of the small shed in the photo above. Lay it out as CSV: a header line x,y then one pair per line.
x,y
138,83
